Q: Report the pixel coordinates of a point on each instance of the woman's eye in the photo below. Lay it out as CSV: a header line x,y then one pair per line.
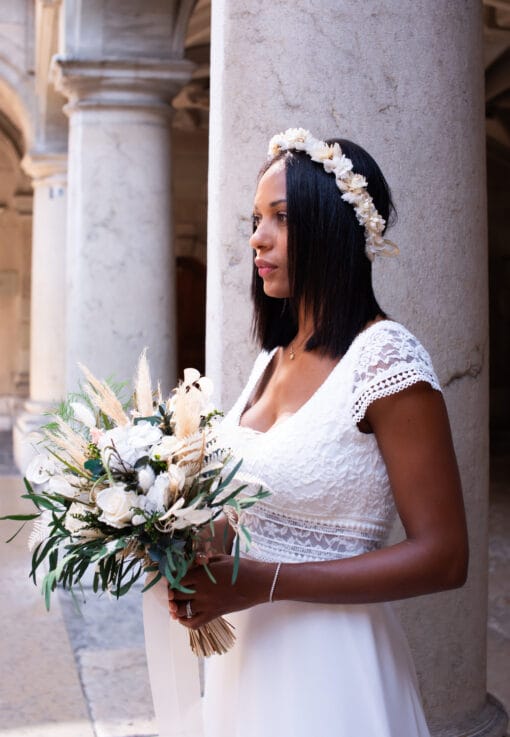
x,y
282,217
255,220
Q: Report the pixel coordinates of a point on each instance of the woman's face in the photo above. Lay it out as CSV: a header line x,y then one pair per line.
x,y
269,240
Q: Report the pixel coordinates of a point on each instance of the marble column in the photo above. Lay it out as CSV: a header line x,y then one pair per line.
x,y
405,80
47,311
120,264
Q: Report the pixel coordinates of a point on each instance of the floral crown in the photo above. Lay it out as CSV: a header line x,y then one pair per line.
x,y
352,186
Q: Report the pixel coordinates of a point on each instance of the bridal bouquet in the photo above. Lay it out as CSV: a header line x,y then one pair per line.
x,y
133,490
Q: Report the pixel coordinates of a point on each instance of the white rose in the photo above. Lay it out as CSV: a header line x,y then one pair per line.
x,y
41,469
146,478
131,443
144,434
159,493
117,505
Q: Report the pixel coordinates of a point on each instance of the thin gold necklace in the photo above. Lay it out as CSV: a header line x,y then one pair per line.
x,y
292,352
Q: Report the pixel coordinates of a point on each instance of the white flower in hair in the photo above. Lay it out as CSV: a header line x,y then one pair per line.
x,y
358,181
353,186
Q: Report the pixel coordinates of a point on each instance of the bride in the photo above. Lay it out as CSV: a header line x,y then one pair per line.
x,y
343,420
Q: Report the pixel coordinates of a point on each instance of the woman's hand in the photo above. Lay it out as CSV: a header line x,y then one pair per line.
x,y
212,600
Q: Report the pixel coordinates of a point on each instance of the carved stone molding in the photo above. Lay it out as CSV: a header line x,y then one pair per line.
x,y
120,83
45,169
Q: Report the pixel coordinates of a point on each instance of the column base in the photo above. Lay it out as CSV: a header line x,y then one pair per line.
x,y
490,721
25,436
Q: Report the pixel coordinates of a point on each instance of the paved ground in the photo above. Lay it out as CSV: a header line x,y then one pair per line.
x,y
66,674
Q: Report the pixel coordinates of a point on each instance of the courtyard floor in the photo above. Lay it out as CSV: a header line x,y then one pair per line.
x,y
84,675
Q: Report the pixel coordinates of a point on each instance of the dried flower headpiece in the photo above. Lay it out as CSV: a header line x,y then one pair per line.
x,y
352,186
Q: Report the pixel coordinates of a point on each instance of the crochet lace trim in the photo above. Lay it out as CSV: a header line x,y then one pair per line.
x,y
278,537
391,360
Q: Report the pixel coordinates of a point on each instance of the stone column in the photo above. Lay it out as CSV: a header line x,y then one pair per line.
x,y
406,81
23,203
120,264
47,311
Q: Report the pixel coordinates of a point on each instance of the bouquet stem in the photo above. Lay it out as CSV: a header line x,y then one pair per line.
x,y
214,638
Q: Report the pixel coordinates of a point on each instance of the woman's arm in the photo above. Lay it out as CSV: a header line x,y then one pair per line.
x,y
414,438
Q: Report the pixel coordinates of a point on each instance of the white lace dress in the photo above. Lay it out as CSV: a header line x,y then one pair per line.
x,y
304,669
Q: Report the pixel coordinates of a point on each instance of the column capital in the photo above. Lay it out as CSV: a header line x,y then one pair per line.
x,y
45,168
119,83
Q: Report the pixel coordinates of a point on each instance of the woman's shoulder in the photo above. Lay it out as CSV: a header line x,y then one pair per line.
x,y
387,358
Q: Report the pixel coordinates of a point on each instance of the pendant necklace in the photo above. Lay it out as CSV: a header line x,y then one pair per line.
x,y
292,352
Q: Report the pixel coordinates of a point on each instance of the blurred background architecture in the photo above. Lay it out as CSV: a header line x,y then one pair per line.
x,y
131,133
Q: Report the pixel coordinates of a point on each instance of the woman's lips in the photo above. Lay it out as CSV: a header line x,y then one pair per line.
x,y
264,267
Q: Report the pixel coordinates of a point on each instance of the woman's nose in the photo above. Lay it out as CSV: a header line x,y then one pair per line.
x,y
260,238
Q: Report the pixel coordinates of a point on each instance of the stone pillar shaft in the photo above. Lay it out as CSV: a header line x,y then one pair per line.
x,y
367,82
120,273
48,304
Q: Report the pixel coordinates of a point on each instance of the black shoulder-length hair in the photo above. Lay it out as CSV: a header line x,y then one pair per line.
x,y
329,272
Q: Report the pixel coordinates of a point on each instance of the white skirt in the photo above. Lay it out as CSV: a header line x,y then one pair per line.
x,y
300,669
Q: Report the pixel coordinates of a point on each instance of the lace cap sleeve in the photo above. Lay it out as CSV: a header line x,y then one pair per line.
x,y
390,360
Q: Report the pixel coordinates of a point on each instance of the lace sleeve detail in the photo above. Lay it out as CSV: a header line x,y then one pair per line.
x,y
390,360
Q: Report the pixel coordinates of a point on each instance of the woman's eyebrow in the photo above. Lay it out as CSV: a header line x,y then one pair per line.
x,y
277,202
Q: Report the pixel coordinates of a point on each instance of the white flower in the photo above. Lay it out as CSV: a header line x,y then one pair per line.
x,y
130,442
116,504
60,485
357,181
146,477
297,138
165,448
339,165
353,198
188,516
320,152
159,493
354,186
192,376
77,527
144,434
83,414
41,469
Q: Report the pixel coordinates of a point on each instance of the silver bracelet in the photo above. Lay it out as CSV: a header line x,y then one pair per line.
x,y
274,582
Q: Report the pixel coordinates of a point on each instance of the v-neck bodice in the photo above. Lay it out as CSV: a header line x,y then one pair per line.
x,y
330,494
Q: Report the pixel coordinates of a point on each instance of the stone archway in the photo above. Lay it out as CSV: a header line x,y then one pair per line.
x,y
17,105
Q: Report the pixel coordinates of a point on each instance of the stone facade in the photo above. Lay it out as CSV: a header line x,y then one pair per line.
x,y
104,110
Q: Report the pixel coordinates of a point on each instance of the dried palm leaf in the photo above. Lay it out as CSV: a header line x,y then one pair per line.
x,y
143,386
103,397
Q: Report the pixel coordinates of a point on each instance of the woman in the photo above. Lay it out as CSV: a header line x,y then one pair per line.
x,y
343,420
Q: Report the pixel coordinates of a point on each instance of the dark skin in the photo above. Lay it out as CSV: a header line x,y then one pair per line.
x,y
413,434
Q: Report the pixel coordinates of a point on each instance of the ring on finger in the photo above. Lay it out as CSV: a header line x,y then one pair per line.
x,y
189,613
